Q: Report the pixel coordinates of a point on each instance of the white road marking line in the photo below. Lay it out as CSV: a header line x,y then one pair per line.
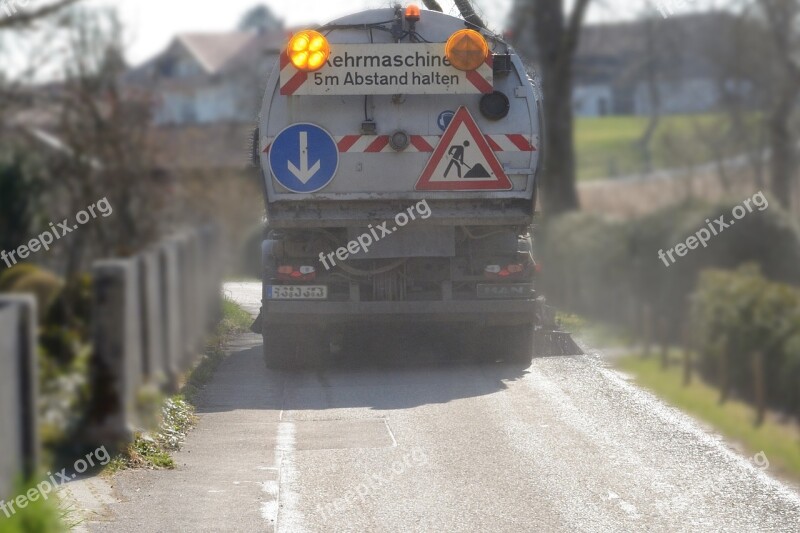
x,y
288,516
391,433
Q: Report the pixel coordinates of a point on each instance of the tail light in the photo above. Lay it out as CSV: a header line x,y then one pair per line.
x,y
512,271
302,273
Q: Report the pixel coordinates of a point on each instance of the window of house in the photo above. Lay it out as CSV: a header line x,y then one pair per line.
x,y
166,67
188,112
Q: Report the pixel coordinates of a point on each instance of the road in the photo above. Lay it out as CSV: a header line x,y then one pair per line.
x,y
407,438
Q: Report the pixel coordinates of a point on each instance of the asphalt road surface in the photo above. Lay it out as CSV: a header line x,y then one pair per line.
x,y
406,437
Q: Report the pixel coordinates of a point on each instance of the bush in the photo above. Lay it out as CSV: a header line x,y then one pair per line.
x,y
586,264
40,516
610,269
64,313
737,314
44,285
10,276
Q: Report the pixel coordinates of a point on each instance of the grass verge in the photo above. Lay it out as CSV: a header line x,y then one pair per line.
x,y
606,147
598,334
734,419
235,320
38,516
154,450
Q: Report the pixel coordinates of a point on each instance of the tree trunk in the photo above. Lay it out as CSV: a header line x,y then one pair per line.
x,y
556,39
759,388
654,90
782,18
782,164
433,5
724,372
687,355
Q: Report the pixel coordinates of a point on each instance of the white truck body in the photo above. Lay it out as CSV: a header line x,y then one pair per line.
x,y
332,172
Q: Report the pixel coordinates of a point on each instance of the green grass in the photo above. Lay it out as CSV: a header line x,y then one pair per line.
x,y
734,419
234,319
154,451
598,334
40,516
606,147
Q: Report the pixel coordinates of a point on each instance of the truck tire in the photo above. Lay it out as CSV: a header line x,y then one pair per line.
x,y
511,344
293,348
517,343
280,347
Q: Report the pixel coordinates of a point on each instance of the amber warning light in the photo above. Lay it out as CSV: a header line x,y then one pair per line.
x,y
413,13
467,50
308,50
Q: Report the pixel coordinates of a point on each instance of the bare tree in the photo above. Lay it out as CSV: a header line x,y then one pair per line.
x,y
469,14
433,5
651,68
783,20
19,18
106,132
556,35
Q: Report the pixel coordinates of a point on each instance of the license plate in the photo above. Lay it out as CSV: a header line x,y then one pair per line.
x,y
515,290
297,292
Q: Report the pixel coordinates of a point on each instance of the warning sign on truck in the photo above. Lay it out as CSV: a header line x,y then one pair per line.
x,y
417,68
463,160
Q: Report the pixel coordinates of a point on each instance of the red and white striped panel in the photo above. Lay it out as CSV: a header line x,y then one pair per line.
x,y
375,144
351,144
510,143
295,78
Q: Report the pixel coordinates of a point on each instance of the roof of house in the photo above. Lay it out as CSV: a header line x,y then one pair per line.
x,y
214,50
215,53
254,52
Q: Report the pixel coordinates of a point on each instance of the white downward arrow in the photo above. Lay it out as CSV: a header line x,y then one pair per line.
x,y
304,173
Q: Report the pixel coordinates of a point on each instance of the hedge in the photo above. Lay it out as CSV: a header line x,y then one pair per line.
x,y
610,269
736,315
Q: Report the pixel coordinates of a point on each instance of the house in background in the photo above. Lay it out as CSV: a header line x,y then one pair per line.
x,y
209,78
206,91
668,66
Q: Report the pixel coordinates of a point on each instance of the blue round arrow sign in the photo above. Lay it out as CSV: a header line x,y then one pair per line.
x,y
304,158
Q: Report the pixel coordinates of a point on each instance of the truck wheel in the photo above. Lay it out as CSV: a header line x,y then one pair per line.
x,y
468,344
518,343
292,347
280,347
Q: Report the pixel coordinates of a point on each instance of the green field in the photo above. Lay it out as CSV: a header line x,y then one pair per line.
x,y
779,442
607,146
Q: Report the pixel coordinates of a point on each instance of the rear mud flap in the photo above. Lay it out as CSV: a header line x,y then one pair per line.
x,y
548,340
554,343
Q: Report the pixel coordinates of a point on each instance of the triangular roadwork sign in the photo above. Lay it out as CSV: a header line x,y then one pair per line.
x,y
463,160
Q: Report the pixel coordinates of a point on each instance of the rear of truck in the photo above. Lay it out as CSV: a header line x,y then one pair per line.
x,y
399,151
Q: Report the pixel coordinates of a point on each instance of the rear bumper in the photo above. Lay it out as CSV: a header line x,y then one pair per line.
x,y
478,312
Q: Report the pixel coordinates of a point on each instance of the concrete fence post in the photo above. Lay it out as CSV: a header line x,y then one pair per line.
x,y
198,294
153,319
208,260
209,286
186,268
213,262
171,309
116,371
19,390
